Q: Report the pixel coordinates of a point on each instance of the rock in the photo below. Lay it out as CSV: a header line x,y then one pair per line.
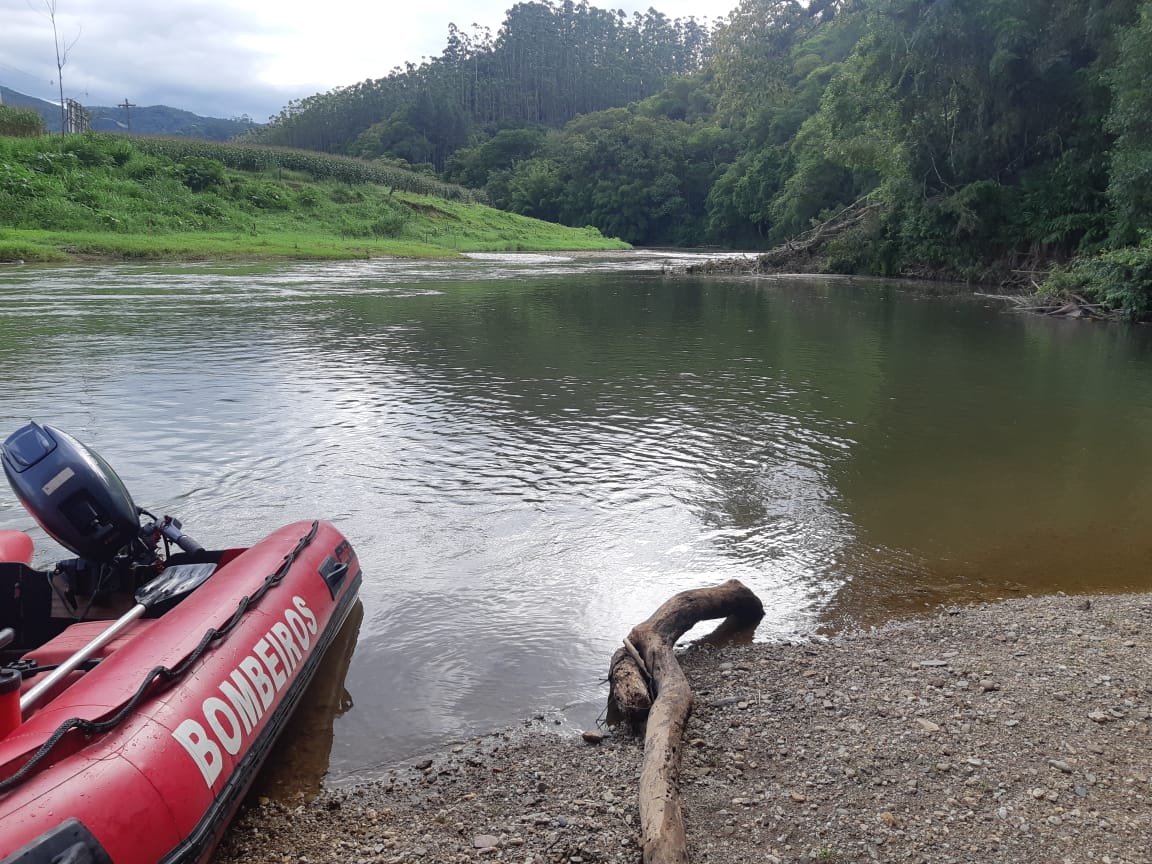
x,y
485,841
592,736
927,725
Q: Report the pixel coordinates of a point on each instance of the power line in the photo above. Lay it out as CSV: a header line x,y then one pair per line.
x,y
8,68
27,89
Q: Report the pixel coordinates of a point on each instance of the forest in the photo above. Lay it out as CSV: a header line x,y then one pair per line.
x,y
985,140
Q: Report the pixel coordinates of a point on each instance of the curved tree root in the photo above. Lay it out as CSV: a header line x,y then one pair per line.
x,y
647,665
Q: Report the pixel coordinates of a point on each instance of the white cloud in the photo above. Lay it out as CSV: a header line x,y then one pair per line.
x,y
225,58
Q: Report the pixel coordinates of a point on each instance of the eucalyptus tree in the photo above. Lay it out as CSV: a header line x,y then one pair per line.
x,y
548,62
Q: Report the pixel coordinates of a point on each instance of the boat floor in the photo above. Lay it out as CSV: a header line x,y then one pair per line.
x,y
103,607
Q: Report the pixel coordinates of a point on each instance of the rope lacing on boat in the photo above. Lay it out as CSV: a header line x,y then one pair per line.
x,y
212,637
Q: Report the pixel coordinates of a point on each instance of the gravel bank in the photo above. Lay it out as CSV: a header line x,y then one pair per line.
x,y
1008,732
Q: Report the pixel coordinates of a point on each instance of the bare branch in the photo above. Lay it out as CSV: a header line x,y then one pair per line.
x,y
61,55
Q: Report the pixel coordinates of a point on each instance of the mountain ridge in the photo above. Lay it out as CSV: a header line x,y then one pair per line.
x,y
145,120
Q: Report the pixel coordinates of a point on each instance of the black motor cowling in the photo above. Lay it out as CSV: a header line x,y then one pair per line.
x,y
71,492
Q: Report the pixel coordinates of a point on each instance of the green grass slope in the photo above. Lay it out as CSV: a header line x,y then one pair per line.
x,y
106,196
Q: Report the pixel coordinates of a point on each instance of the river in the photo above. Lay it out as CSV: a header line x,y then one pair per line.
x,y
530,453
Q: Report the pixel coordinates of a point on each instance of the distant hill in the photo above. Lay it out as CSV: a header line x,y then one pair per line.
x,y
150,120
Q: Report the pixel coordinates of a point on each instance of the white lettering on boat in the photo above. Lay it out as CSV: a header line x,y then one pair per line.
x,y
228,716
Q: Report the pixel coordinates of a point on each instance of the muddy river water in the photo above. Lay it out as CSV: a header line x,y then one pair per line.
x,y
530,453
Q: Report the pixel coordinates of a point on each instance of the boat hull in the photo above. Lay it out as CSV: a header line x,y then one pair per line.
x,y
162,784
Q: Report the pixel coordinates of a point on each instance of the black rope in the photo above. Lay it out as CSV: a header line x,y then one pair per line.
x,y
168,677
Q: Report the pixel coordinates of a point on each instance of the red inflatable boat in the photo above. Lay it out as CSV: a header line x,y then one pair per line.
x,y
132,740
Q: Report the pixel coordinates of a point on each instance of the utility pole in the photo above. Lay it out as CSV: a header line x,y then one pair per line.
x,y
127,106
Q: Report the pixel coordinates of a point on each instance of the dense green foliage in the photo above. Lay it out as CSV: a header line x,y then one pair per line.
x,y
547,64
20,122
987,138
1121,279
1130,120
105,194
976,123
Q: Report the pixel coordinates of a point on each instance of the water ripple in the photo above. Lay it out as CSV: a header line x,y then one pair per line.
x,y
530,453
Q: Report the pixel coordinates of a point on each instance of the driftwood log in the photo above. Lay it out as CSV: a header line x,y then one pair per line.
x,y
797,249
647,684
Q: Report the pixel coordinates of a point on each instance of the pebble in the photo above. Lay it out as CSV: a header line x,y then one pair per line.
x,y
1010,773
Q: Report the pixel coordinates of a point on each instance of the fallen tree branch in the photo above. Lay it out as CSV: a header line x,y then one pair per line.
x,y
1018,299
661,820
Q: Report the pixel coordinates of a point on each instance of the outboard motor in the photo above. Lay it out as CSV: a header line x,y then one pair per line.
x,y
71,492
76,497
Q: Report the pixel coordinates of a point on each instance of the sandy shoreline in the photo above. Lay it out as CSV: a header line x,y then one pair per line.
x,y
1003,732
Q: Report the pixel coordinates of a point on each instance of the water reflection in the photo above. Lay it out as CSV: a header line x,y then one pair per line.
x,y
298,763
531,455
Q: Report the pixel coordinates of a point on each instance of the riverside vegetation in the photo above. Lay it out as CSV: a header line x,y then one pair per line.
x,y
990,141
105,196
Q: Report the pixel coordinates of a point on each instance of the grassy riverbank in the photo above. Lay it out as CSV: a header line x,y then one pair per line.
x,y
110,197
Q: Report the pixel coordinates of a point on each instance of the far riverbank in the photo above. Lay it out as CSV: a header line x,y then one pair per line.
x,y
112,198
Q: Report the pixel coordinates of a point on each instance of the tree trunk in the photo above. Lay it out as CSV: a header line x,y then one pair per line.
x,y
651,643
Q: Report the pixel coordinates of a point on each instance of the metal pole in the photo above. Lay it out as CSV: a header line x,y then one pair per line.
x,y
73,663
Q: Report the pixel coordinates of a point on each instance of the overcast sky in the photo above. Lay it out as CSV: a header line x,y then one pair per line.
x,y
225,58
